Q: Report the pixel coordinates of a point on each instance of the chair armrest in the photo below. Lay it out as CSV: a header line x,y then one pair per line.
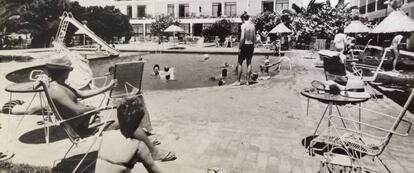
x,y
372,126
88,113
408,129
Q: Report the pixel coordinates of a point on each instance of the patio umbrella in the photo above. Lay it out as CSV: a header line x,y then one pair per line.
x,y
356,26
174,29
396,21
281,28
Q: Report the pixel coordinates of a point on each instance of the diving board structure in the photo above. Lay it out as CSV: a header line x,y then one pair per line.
x,y
66,19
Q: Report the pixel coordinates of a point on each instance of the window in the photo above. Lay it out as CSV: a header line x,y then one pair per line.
x,y
362,10
371,7
281,5
148,28
183,10
170,9
141,11
207,25
129,11
216,9
140,28
231,9
381,5
267,6
186,27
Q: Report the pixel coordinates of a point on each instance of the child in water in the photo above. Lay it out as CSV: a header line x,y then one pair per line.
x,y
156,69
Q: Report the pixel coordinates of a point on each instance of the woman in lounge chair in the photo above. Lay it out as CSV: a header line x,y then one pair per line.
x,y
66,100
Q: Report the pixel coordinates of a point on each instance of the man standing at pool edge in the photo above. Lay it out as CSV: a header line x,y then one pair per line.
x,y
246,47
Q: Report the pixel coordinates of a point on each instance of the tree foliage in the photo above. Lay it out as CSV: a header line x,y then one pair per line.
x,y
41,18
266,21
220,28
163,22
320,20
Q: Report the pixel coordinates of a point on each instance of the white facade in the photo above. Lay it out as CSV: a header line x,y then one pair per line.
x,y
192,12
376,10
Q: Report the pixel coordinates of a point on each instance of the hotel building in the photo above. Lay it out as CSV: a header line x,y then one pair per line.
x,y
194,15
376,10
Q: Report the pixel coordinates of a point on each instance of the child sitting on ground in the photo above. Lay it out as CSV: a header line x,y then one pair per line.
x,y
265,67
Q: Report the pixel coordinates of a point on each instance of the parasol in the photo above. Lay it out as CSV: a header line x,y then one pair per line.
x,y
281,28
396,21
356,26
174,28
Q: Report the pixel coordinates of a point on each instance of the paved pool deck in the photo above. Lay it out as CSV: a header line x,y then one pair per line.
x,y
238,129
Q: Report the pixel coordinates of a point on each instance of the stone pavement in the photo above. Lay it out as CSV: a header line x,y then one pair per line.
x,y
240,129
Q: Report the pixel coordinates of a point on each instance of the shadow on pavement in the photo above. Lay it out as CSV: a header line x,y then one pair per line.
x,y
69,164
37,136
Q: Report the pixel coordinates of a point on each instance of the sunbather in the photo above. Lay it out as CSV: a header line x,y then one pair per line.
x,y
119,151
80,78
66,101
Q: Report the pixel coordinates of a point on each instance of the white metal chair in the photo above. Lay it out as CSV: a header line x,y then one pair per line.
x,y
346,146
359,51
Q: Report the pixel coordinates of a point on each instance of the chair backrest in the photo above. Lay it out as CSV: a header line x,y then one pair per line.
x,y
397,121
129,76
73,136
366,46
333,65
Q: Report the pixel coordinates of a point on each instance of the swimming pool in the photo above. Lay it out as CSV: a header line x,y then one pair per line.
x,y
190,69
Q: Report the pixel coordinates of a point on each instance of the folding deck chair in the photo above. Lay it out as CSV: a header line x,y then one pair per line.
x,y
73,136
358,68
359,52
346,146
129,76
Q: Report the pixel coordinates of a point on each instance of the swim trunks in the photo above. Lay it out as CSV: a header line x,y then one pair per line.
x,y
246,52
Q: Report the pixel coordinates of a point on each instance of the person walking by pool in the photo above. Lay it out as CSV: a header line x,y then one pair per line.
x,y
246,48
395,49
341,41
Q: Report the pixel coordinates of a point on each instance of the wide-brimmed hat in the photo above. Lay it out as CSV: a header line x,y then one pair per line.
x,y
60,63
355,88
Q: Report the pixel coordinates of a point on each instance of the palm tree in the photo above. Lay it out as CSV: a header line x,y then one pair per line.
x,y
10,8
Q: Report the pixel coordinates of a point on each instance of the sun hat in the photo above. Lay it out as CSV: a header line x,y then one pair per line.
x,y
355,89
61,63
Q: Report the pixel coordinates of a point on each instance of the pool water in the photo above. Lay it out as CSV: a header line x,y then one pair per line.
x,y
190,69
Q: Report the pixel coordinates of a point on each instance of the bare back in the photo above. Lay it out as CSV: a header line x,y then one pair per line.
x,y
248,34
66,102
